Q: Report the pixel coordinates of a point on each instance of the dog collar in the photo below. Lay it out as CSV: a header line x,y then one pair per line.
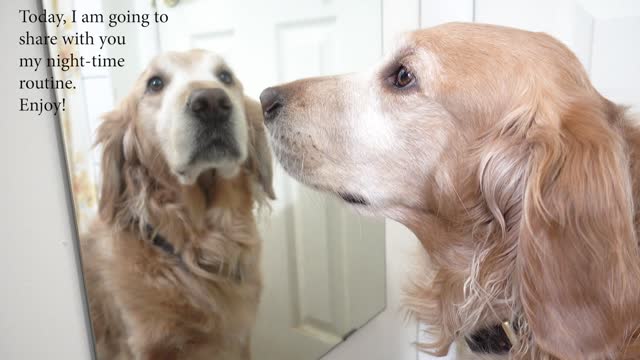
x,y
497,339
217,267
160,241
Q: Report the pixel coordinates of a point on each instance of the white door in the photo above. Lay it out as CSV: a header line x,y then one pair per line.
x,y
604,35
324,267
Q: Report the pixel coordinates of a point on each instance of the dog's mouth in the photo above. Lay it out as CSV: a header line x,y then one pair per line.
x,y
354,199
216,148
288,151
220,152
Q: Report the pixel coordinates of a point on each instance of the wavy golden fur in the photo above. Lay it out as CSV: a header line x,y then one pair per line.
x,y
520,180
144,302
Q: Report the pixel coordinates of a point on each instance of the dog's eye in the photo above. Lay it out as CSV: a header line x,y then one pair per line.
x,y
403,77
225,77
155,84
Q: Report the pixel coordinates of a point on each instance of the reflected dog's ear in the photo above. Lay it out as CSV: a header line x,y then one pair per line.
x,y
260,160
112,136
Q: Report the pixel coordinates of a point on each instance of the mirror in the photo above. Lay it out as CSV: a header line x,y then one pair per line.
x,y
322,266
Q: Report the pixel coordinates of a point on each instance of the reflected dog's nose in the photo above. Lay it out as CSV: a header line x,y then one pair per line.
x,y
272,102
210,105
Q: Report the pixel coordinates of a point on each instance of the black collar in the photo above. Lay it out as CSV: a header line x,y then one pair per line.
x,y
497,339
160,241
219,267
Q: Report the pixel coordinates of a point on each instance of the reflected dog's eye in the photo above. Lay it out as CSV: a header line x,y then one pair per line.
x,y
403,78
155,84
226,77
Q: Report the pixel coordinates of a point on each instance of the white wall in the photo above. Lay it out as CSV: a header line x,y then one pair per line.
x,y
41,312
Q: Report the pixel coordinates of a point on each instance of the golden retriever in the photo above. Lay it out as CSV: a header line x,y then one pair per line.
x,y
172,261
517,176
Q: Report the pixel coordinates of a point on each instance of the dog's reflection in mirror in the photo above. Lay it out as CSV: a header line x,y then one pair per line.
x,y
172,260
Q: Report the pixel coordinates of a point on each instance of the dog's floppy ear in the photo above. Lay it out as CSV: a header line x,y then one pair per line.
x,y
111,136
578,260
260,161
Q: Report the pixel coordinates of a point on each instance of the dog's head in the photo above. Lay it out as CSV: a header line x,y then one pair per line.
x,y
185,115
362,136
497,133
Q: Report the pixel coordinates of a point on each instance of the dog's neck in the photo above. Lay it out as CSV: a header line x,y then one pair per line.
x,y
220,267
188,222
464,245
163,195
472,262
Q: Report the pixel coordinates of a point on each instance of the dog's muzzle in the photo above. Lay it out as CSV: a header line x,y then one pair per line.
x,y
211,113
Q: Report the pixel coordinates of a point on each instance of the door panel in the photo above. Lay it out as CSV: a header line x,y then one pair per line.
x,y
601,33
615,60
434,12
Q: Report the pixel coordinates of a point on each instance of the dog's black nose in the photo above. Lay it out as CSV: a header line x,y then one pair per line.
x,y
272,102
210,104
